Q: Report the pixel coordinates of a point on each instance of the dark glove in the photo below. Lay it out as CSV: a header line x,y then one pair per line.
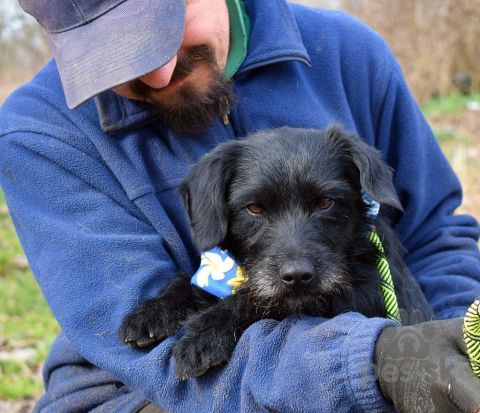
x,y
425,368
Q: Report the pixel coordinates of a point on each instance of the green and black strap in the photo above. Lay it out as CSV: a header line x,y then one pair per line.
x,y
386,281
471,333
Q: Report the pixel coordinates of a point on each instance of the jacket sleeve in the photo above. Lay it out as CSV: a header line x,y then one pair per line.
x,y
442,250
95,258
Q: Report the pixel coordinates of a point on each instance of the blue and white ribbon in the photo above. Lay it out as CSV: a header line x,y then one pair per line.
x,y
373,206
219,274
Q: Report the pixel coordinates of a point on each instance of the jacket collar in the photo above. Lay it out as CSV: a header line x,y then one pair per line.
x,y
275,37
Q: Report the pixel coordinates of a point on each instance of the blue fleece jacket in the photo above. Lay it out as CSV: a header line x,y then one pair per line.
x,y
92,195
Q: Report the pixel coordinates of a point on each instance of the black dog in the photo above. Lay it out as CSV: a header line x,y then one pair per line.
x,y
288,205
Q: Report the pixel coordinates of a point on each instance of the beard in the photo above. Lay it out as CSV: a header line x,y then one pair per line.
x,y
191,109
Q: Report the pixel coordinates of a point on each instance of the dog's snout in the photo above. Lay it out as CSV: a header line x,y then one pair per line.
x,y
297,274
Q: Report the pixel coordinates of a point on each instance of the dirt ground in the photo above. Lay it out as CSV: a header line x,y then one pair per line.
x,y
18,406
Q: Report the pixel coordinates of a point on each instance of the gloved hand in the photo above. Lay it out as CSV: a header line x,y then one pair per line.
x,y
425,368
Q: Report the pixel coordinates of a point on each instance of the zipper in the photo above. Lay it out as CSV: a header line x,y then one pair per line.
x,y
226,114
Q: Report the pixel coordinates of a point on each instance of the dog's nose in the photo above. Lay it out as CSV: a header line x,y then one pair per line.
x,y
297,274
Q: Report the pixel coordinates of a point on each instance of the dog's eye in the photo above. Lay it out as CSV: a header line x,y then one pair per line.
x,y
325,203
255,209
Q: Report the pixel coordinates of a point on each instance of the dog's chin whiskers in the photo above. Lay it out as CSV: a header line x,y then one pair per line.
x,y
339,282
258,295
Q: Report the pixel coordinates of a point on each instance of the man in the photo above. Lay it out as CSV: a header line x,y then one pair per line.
x,y
150,87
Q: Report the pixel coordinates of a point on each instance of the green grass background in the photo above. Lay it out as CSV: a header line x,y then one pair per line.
x,y
26,321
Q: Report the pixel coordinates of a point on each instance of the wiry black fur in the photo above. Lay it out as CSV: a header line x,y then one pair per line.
x,y
288,173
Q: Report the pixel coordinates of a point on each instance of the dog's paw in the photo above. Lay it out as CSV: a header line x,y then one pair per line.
x,y
195,355
151,323
203,345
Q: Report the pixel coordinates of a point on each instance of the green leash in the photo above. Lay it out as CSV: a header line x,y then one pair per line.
x,y
386,281
471,334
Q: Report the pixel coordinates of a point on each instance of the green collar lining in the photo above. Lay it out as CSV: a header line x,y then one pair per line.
x,y
241,28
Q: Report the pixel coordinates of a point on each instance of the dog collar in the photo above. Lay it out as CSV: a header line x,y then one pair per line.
x,y
220,275
372,207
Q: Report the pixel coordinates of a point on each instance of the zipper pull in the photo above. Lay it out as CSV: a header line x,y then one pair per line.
x,y
225,115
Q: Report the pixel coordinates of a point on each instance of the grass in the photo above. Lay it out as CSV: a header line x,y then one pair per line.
x,y
26,323
448,106
27,326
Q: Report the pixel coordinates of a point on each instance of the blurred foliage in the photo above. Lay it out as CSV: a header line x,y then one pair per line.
x,y
23,45
437,42
455,119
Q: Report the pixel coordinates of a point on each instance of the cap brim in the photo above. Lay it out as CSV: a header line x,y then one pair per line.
x,y
131,40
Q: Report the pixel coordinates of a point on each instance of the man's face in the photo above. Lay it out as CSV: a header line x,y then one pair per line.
x,y
190,91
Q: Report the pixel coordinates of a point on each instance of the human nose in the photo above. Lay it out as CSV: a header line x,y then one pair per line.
x,y
161,77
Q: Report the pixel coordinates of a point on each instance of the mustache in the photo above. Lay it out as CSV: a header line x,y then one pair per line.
x,y
194,56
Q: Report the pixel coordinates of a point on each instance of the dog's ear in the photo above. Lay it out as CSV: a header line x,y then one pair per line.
x,y
203,195
376,177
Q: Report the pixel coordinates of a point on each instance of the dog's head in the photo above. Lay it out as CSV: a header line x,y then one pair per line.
x,y
288,204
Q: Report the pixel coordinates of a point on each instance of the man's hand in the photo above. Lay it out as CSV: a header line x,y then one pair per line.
x,y
425,368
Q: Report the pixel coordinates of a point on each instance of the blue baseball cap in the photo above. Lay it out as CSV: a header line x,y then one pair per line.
x,y
100,44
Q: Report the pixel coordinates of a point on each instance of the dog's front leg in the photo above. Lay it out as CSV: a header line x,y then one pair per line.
x,y
209,336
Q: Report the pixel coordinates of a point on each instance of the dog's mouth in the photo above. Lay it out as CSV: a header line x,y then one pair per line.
x,y
308,304
298,287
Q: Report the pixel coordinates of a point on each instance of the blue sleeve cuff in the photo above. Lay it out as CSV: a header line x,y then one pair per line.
x,y
358,353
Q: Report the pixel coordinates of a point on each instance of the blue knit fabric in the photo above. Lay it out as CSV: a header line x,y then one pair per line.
x,y
103,228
